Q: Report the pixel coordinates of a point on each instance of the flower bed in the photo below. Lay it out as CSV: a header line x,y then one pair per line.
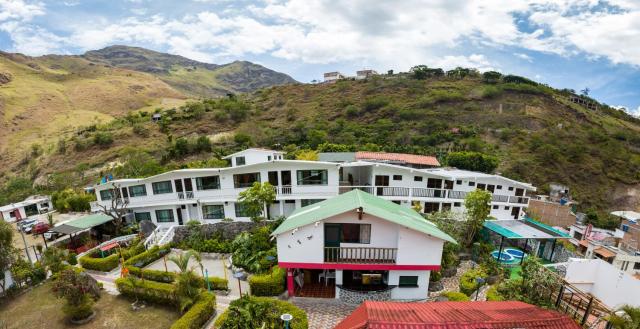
x,y
91,261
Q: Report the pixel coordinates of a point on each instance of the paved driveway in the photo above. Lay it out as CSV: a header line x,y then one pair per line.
x,y
323,313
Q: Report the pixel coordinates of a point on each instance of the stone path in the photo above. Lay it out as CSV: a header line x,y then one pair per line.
x,y
107,280
323,313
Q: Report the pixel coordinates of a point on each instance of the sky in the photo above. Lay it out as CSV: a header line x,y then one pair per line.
x,y
573,44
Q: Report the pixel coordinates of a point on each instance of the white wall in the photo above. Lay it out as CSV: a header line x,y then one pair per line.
x,y
612,286
420,292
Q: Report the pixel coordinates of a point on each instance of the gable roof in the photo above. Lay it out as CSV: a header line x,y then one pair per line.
x,y
398,157
454,315
370,204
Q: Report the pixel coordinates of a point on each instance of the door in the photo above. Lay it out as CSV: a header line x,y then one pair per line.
x,y
179,211
188,186
515,212
381,180
273,178
332,234
519,192
286,178
178,183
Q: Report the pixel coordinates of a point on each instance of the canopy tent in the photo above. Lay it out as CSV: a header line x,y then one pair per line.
x,y
82,223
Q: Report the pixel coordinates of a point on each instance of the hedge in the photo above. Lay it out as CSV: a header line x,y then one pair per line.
x,y
105,264
468,283
299,321
455,296
169,277
216,283
149,256
198,314
493,295
270,284
150,291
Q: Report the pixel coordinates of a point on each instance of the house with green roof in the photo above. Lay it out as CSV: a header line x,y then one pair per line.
x,y
358,246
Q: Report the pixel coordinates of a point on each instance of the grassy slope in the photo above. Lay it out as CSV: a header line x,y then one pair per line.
x,y
62,93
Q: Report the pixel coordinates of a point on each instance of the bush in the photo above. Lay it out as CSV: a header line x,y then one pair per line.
x,y
455,296
468,283
198,314
216,283
493,295
105,264
153,275
473,161
148,256
265,310
439,96
140,130
150,291
103,138
72,258
372,104
490,92
272,284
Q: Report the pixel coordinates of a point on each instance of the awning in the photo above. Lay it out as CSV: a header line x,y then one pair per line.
x,y
604,252
584,243
109,246
66,229
82,223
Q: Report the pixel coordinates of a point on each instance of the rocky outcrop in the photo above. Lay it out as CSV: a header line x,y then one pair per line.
x,y
5,77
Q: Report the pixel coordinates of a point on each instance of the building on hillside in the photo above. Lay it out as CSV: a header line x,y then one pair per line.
x,y
630,228
401,159
552,213
358,246
333,76
604,281
363,74
31,206
210,194
621,259
454,315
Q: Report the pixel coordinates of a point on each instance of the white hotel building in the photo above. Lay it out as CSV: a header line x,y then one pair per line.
x,y
210,194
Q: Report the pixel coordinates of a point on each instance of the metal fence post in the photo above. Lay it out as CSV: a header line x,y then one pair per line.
x,y
587,311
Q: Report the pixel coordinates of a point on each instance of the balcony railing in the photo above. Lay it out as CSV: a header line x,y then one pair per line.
x,y
185,195
457,194
392,191
518,199
345,189
500,198
360,255
284,190
428,192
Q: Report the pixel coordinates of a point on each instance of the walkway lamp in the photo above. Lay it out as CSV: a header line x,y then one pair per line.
x,y
239,275
206,277
480,282
286,318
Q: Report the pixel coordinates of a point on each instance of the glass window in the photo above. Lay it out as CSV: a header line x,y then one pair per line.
x,y
434,183
312,177
636,266
162,187
213,211
241,210
506,207
31,210
397,177
472,183
105,195
138,190
140,216
459,182
208,183
496,207
510,188
240,161
245,180
457,204
430,207
307,202
417,178
164,215
356,233
408,281
498,187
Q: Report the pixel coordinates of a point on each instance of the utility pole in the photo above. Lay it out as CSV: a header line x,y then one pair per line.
x,y
26,247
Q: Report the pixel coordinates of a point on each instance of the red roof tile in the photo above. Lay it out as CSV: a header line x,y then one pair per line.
x,y
398,157
454,315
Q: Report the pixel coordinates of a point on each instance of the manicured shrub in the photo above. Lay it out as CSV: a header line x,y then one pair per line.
x,y
216,283
468,282
270,284
153,275
493,294
150,291
264,310
198,314
149,256
455,296
105,264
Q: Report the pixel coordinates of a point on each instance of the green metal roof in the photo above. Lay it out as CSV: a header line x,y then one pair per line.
x,y
547,227
89,221
491,225
370,204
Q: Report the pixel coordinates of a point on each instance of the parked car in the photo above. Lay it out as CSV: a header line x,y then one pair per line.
x,y
40,228
27,224
51,235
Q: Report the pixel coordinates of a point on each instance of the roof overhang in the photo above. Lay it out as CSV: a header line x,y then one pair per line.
x,y
524,229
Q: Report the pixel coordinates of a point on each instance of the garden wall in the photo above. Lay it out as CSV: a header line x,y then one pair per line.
x,y
228,230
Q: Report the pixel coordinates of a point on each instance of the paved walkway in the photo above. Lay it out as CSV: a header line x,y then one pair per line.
x,y
323,313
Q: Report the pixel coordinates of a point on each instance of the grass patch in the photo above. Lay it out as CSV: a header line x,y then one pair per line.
x,y
38,308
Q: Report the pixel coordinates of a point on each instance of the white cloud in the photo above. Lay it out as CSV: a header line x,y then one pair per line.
x,y
524,56
19,10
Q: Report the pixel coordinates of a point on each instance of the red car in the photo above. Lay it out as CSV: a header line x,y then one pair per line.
x,y
40,228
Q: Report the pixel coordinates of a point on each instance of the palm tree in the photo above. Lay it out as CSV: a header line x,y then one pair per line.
x,y
182,259
187,283
628,317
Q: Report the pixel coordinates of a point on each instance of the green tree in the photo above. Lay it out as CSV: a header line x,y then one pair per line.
x,y
491,77
257,198
474,161
627,317
187,283
478,207
7,251
76,289
137,164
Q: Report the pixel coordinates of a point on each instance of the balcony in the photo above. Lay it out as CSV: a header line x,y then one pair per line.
x,y
457,194
360,255
428,192
500,198
519,199
185,195
392,191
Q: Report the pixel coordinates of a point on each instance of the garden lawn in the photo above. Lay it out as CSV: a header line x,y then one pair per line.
x,y
38,308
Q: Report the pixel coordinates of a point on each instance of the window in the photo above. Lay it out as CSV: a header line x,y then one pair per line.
x,y
164,216
245,180
496,207
446,207
268,158
408,281
510,188
140,216
162,187
636,266
448,184
355,233
105,195
430,207
472,183
312,177
459,182
31,210
506,207
241,210
308,202
498,187
417,178
240,161
397,177
138,190
208,183
457,204
625,228
434,183
481,186
213,211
